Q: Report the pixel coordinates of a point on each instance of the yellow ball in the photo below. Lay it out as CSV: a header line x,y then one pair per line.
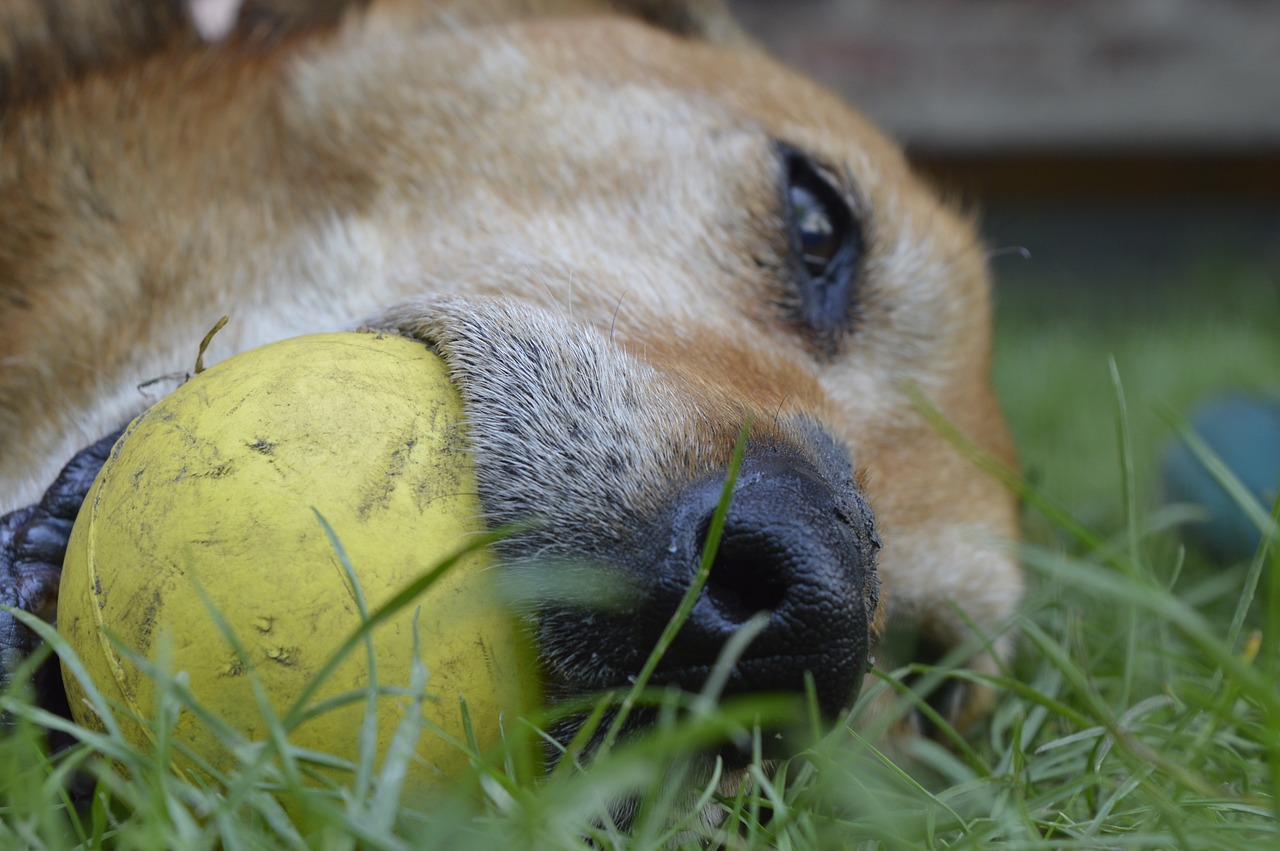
x,y
218,487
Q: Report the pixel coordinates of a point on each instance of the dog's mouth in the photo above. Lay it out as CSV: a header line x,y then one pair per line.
x,y
784,615
610,461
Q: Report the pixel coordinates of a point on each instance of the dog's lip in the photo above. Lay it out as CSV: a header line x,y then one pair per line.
x,y
617,677
804,662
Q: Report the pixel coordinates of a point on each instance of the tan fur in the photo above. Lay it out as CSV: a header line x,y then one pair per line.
x,y
542,162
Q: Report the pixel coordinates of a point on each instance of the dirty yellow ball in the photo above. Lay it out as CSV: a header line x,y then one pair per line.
x,y
221,487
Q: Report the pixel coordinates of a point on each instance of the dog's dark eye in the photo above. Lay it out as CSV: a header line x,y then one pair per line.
x,y
818,242
825,242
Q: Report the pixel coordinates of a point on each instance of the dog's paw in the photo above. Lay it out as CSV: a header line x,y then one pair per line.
x,y
33,542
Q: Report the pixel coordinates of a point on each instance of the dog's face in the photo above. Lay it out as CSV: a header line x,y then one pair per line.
x,y
694,237
627,244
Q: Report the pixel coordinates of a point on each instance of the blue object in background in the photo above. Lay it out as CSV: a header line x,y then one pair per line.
x,y
1244,431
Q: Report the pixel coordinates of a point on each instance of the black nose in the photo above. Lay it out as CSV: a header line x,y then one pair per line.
x,y
798,545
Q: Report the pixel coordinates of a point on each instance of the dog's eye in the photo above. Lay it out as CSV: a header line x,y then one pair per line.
x,y
825,242
816,236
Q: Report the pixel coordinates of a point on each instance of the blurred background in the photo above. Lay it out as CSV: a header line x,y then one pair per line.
x,y
1124,159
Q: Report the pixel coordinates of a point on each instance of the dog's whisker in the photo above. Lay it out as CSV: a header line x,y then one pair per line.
x,y
1016,250
613,321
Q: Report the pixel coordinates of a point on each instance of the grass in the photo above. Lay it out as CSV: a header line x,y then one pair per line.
x,y
1142,711
1174,343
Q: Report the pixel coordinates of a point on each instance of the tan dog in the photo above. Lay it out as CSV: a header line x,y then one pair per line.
x,y
627,230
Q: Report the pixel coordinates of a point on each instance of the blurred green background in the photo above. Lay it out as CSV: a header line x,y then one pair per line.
x,y
1183,295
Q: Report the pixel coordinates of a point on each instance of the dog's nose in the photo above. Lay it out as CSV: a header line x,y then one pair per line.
x,y
798,548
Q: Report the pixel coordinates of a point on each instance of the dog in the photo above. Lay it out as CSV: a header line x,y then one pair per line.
x,y
627,230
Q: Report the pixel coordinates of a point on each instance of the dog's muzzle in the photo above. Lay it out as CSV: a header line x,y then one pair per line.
x,y
603,452
796,547
793,548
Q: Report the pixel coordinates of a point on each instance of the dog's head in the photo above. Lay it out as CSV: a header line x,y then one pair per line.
x,y
630,233
644,242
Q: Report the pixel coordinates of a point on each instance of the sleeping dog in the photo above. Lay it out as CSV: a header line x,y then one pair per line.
x,y
626,229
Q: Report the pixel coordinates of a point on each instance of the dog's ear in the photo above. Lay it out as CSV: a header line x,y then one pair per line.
x,y
708,20
44,44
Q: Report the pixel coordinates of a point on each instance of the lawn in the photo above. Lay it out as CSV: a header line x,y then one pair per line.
x,y
1142,711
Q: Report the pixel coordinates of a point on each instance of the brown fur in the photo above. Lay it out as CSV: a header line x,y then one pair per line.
x,y
552,163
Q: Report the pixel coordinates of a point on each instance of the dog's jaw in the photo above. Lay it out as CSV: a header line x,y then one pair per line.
x,y
621,470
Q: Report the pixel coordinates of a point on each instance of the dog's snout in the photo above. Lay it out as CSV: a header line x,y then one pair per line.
x,y
770,542
797,548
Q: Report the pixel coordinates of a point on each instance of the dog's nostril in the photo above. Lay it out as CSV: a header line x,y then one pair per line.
x,y
794,548
746,577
